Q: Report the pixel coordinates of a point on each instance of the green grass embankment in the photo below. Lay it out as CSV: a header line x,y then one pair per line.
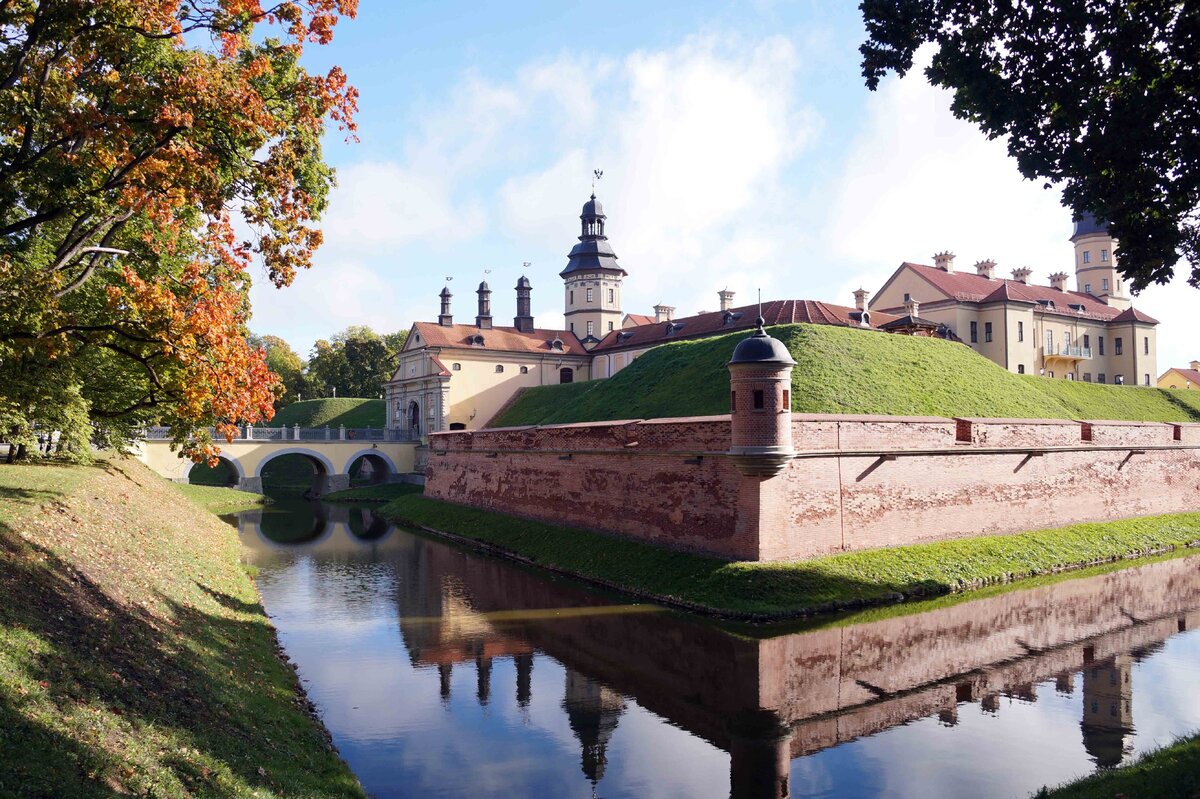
x,y
135,658
332,411
373,493
219,499
842,370
1172,772
779,590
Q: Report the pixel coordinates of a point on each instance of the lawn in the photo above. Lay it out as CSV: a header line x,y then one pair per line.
x,y
332,411
779,590
219,499
138,660
843,370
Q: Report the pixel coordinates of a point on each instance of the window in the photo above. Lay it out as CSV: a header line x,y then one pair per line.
x,y
1049,342
1087,341
591,326
524,370
499,368
907,296
1020,368
1146,380
987,331
787,399
1087,288
1087,257
457,367
566,375
412,370
1087,377
1100,341
1104,284
611,294
1020,331
589,295
1050,373
571,297
572,327
974,332
1104,255
1146,345
1070,376
1117,345
1100,378
759,399
610,327
733,402
1119,380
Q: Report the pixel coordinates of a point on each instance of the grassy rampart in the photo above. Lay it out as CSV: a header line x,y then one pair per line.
x,y
1172,772
332,411
779,590
135,658
841,370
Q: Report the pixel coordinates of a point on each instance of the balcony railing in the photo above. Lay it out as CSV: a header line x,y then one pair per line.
x,y
297,433
1064,351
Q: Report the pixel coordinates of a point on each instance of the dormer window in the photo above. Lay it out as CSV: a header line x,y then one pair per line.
x,y
730,317
624,334
556,345
1075,306
673,327
475,340
1046,304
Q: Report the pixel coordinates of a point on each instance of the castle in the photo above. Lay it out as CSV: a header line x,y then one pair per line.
x,y
453,376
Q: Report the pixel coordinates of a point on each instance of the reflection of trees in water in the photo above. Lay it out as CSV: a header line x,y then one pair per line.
x,y
292,520
287,475
365,524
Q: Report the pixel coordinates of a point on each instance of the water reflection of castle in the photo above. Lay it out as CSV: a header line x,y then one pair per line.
x,y
767,701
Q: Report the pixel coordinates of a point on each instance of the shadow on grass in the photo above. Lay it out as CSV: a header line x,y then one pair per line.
x,y
227,601
106,690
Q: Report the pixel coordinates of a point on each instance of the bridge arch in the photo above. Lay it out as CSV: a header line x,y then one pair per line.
x,y
187,464
377,459
323,465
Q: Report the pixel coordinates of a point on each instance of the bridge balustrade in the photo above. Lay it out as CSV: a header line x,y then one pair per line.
x,y
298,434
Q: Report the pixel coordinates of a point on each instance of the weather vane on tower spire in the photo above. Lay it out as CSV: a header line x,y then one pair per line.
x,y
596,175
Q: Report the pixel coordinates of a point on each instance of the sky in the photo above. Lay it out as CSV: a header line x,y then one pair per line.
x,y
739,146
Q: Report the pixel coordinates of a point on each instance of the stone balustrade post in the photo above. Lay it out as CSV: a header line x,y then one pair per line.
x,y
249,432
297,429
341,432
326,432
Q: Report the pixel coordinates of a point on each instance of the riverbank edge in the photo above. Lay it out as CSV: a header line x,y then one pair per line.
x,y
543,546
1170,772
314,755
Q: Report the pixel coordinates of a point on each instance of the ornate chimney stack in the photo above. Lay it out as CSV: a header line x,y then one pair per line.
x,y
484,319
1195,365
444,318
944,261
912,308
986,269
523,321
1021,274
760,382
1059,281
663,313
726,299
860,299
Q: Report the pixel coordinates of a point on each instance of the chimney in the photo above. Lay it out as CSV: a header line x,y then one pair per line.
x,y
986,269
523,321
726,299
944,261
860,299
444,318
1058,281
1195,366
484,319
663,313
1021,274
912,308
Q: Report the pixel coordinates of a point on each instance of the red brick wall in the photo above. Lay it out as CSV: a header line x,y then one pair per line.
x,y
666,481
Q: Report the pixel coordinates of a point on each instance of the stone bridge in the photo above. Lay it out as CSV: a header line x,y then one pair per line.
x,y
388,455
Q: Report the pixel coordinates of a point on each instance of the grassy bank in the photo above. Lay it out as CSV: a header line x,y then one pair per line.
x,y
218,499
135,657
1172,772
332,411
779,590
373,493
841,370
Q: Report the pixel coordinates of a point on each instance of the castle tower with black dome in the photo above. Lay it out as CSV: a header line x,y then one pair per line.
x,y
592,280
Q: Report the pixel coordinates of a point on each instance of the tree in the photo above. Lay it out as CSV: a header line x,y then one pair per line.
x,y
285,364
356,362
131,134
1100,96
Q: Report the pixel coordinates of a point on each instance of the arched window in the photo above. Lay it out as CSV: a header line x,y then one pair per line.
x,y
566,375
499,368
414,418
456,367
524,370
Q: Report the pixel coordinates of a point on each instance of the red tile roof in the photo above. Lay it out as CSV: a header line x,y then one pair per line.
x,y
967,287
639,319
1134,315
775,312
498,339
1187,374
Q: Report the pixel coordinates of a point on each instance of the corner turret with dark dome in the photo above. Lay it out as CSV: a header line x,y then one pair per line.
x,y
1088,225
592,280
1096,262
760,404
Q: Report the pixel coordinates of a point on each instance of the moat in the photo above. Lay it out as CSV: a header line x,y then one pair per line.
x,y
443,673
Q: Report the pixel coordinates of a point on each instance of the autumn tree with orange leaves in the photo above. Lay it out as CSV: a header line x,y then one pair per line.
x,y
139,140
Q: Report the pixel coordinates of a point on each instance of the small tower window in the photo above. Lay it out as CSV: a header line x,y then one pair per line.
x,y
610,327
1104,255
571,297
1104,284
591,326
787,399
611,296
759,399
1087,288
589,295
733,402
1087,257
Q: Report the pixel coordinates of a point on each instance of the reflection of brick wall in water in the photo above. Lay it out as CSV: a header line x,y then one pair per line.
x,y
858,481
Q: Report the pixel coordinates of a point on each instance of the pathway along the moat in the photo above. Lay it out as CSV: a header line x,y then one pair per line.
x,y
443,673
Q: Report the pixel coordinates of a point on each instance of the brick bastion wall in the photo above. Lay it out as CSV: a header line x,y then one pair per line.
x,y
854,482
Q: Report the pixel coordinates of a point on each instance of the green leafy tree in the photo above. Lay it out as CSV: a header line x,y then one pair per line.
x,y
285,364
1101,97
356,362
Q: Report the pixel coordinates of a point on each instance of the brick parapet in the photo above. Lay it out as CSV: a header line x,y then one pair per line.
x,y
860,481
